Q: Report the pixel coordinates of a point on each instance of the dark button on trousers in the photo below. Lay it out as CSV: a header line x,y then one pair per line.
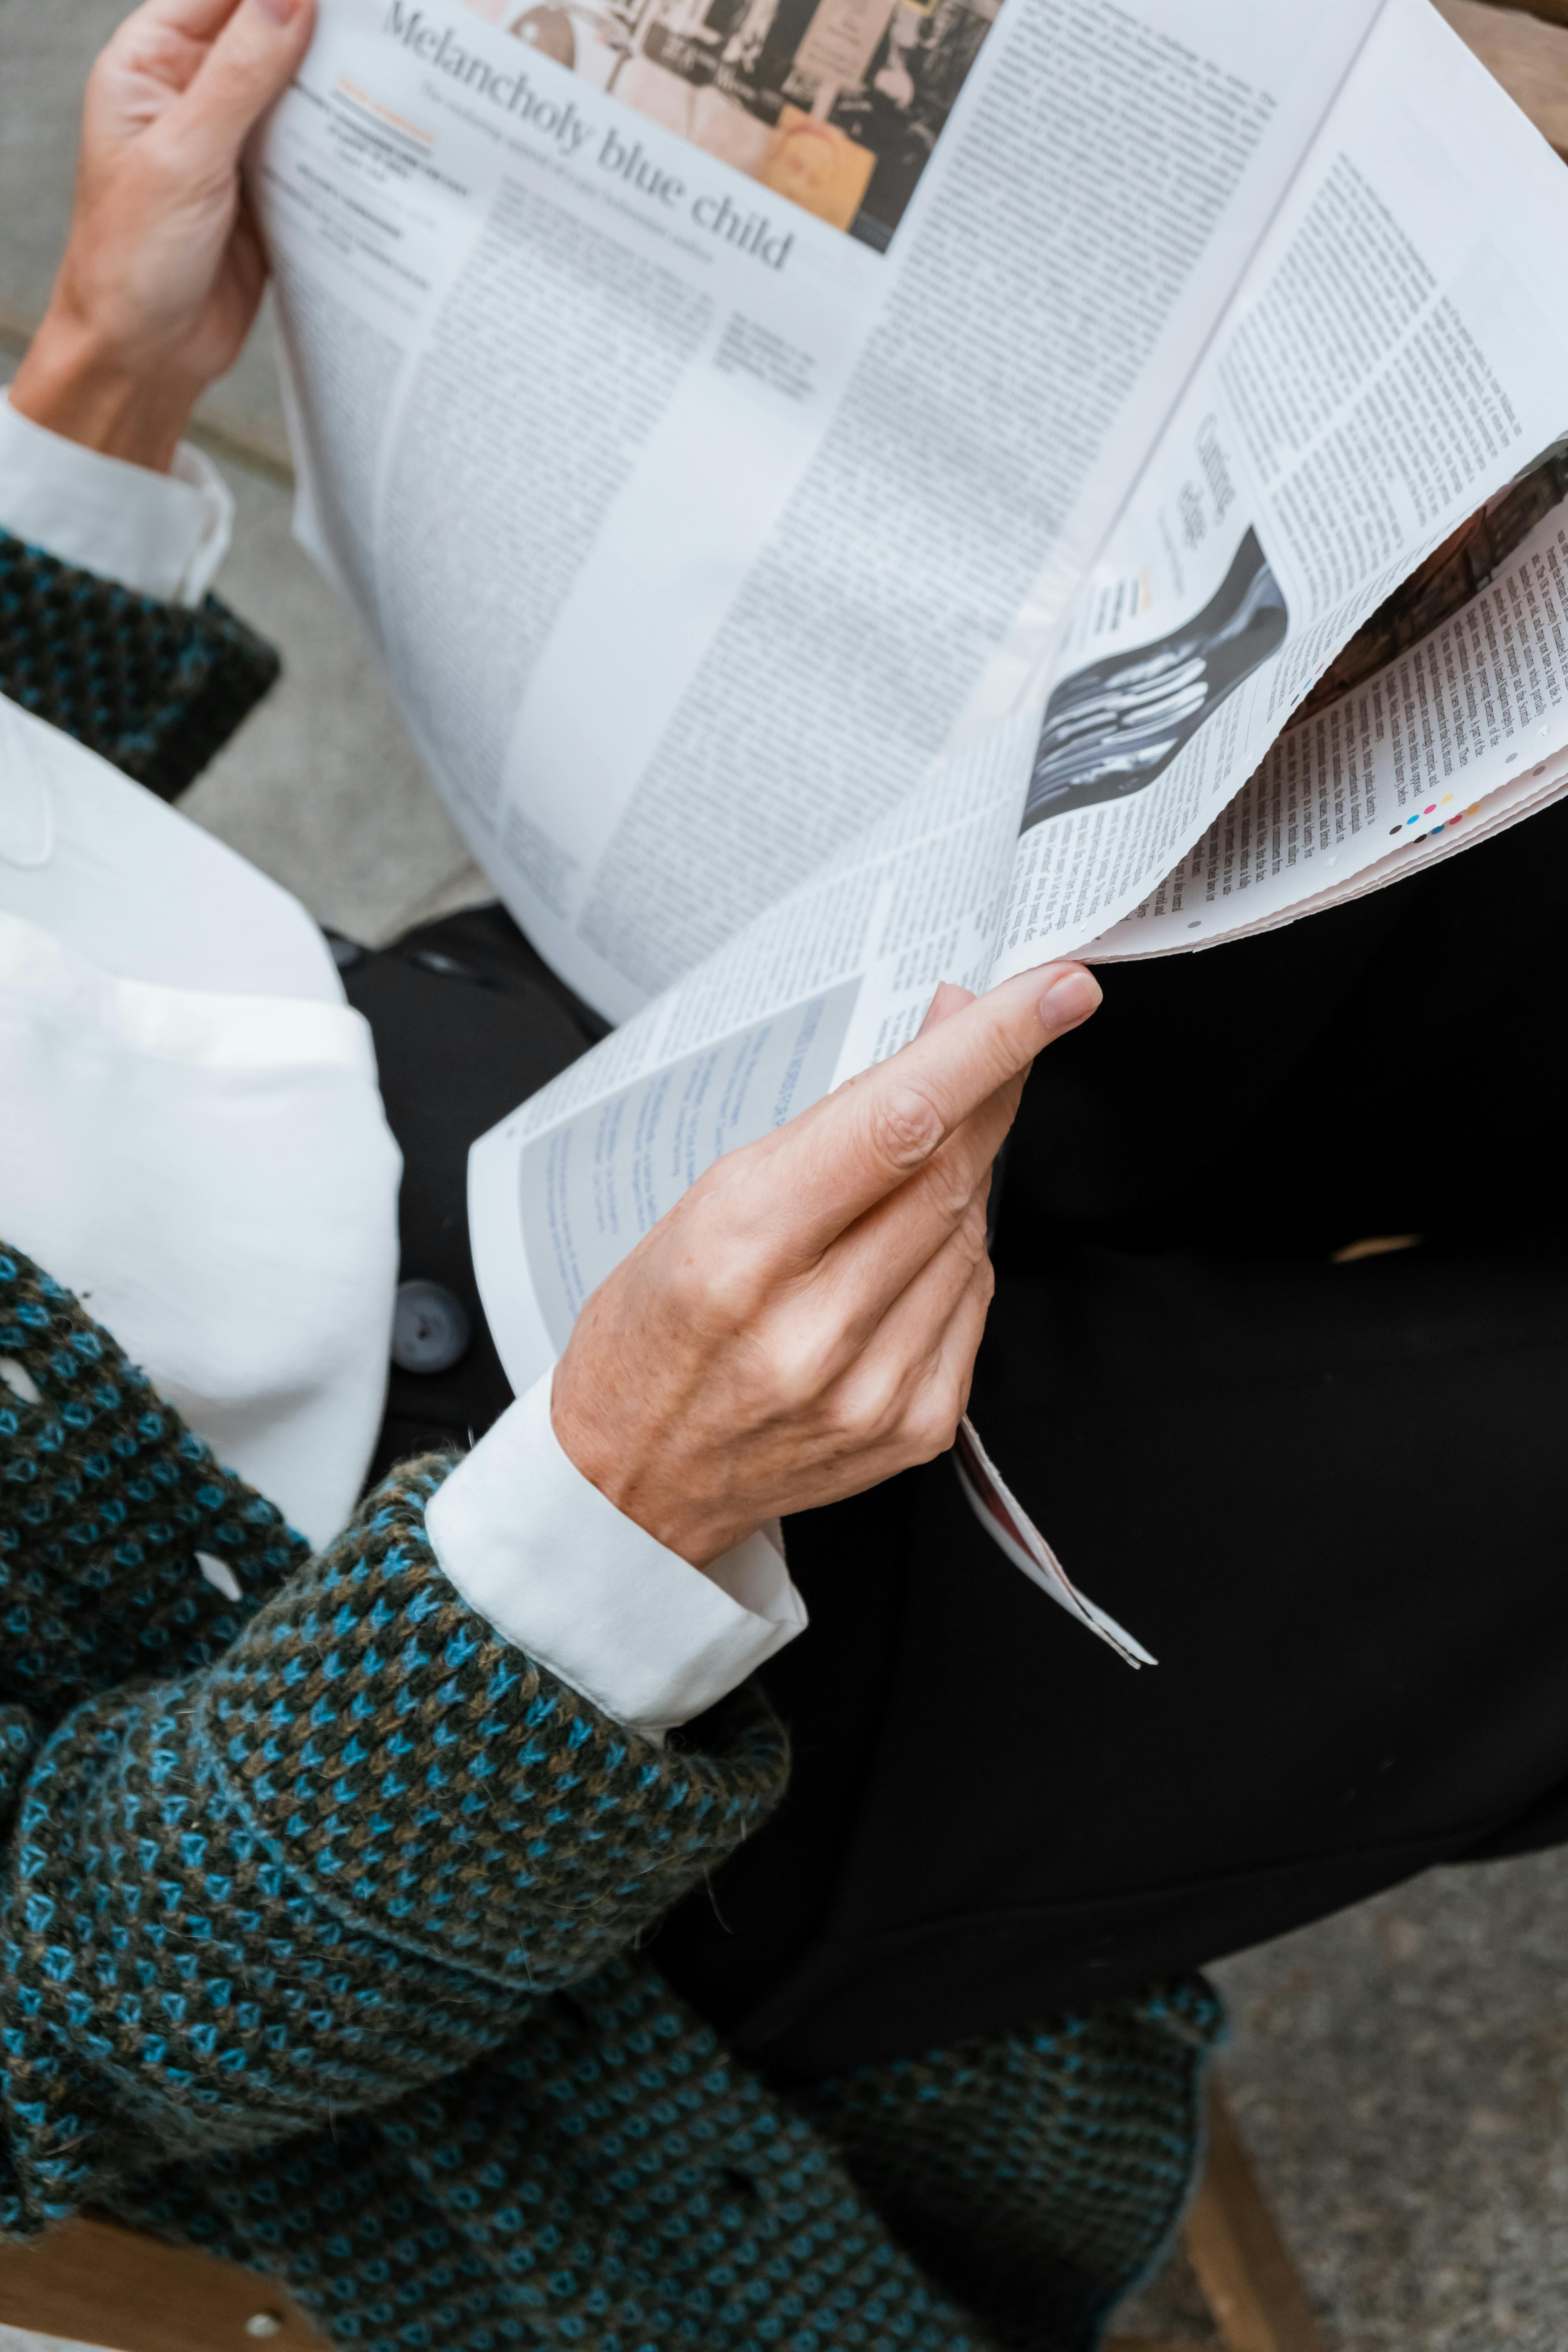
x,y
1332,1498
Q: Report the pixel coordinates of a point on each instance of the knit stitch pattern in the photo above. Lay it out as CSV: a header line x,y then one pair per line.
x,y
330,1858
318,1912
155,688
106,1498
614,2180
1037,2173
611,2180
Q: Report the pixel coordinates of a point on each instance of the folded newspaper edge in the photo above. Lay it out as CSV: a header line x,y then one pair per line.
x,y
1014,1534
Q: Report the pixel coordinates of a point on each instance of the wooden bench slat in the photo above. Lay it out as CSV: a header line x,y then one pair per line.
x,y
95,2284
1249,2282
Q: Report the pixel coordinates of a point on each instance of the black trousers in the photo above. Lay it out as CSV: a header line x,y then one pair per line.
x,y
1332,1498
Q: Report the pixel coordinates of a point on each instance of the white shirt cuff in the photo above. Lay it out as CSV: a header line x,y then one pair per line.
x,y
163,535
534,1546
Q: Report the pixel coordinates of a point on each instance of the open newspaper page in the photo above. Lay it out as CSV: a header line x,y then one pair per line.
x,y
1445,721
1392,361
823,984
710,405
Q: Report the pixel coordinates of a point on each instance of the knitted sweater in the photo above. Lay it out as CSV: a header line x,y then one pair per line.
x,y
158,688
318,1927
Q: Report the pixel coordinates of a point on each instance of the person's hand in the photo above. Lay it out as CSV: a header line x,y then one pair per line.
x,y
163,269
804,1322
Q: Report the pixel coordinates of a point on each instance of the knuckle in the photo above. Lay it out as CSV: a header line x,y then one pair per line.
x,y
722,1293
705,1205
721,1175
932,1422
906,1128
869,1407
795,1370
973,1231
719,1269
952,1193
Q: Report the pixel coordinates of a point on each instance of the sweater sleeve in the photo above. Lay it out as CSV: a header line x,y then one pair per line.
x,y
271,1862
157,689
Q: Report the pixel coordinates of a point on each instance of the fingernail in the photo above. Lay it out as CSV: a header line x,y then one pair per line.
x,y
283,12
1069,997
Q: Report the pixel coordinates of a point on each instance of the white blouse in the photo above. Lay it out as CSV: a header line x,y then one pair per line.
x,y
192,1138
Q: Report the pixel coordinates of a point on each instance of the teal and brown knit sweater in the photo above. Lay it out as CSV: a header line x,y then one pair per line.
x,y
319,1910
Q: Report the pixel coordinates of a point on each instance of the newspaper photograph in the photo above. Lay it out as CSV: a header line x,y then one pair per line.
x,y
835,104
1473,710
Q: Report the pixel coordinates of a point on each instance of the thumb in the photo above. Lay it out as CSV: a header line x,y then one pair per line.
x,y
250,65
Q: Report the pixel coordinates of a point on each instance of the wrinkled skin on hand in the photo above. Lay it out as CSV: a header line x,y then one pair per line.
x,y
804,1323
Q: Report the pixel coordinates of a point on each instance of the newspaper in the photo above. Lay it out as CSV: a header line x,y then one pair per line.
x,y
709,439
855,493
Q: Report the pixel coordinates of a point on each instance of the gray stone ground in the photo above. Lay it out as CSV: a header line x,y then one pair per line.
x,y
1401,2071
